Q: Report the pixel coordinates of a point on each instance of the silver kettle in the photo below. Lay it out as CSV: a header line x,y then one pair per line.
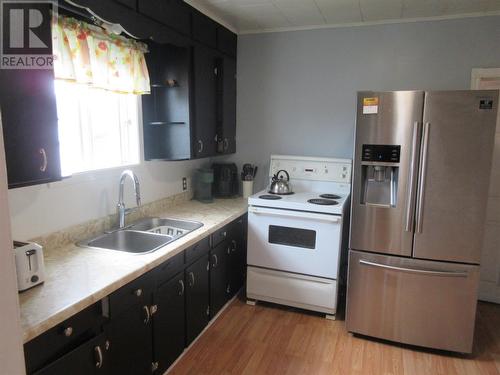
x,y
279,185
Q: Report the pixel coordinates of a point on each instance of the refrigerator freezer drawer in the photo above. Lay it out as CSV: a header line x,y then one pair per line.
x,y
425,303
291,289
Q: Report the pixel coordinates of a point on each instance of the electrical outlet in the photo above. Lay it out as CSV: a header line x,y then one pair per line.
x,y
184,184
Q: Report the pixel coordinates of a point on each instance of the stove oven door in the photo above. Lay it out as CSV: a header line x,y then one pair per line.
x,y
294,241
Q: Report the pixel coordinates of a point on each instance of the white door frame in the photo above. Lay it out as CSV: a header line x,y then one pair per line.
x,y
11,344
489,290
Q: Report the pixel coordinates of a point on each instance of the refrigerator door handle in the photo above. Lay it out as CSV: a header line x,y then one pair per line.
x,y
410,202
421,179
414,270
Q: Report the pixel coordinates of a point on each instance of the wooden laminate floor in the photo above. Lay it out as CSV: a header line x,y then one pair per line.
x,y
266,339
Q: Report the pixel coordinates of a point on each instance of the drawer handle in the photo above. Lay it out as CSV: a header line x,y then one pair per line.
x,y
43,167
224,234
200,144
229,250
234,246
98,352
182,287
68,331
228,289
138,292
191,276
148,314
414,270
226,144
216,263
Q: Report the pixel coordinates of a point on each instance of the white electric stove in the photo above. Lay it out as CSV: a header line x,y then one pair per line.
x,y
295,241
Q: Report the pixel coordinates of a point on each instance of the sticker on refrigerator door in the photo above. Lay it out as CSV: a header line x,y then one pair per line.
x,y
370,106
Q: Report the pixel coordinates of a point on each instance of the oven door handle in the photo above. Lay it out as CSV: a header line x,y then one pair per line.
x,y
295,214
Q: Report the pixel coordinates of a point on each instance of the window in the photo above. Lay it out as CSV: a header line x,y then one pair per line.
x,y
99,77
97,128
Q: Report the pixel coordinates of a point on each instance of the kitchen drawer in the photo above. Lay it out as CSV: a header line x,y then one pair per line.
x,y
136,292
418,302
169,268
63,338
224,233
89,358
197,250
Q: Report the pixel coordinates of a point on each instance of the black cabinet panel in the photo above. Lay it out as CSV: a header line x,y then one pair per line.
x,y
88,359
130,335
166,111
173,13
29,121
226,41
204,29
63,338
219,280
169,268
169,322
197,298
129,3
238,256
204,60
228,131
197,250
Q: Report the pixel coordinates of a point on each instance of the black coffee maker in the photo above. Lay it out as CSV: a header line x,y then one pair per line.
x,y
226,182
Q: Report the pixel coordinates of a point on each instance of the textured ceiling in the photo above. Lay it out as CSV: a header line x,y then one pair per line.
x,y
247,16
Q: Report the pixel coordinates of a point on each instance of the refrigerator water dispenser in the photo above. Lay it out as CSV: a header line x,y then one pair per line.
x,y
379,175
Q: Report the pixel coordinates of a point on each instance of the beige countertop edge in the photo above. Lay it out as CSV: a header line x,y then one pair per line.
x,y
35,327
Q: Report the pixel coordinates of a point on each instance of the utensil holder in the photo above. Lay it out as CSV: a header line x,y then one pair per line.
x,y
247,188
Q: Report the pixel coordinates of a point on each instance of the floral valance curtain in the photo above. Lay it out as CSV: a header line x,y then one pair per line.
x,y
87,54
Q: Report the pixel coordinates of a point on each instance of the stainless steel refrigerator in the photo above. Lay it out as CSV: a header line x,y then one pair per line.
x,y
421,176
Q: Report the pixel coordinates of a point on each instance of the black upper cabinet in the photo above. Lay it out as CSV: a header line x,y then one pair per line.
x,y
227,130
169,322
173,13
197,298
205,126
29,121
166,111
226,41
204,29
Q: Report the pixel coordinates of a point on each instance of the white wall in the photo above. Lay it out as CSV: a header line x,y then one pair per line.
x,y
297,90
43,209
11,349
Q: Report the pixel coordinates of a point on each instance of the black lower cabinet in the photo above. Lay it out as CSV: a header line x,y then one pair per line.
x,y
197,298
219,285
88,359
169,332
144,326
130,335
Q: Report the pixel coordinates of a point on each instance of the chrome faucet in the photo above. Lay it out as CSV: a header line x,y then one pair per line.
x,y
122,211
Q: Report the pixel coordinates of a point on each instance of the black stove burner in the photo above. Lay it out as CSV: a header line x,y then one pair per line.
x,y
270,197
323,202
330,196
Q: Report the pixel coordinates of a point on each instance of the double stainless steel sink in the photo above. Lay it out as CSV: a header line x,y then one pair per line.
x,y
143,236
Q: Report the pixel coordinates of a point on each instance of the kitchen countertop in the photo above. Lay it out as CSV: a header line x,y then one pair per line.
x,y
78,277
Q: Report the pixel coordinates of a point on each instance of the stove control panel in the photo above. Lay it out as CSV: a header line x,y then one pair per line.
x,y
314,169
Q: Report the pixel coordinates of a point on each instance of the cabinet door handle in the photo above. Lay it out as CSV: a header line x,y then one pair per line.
x,y
234,246
138,292
216,263
148,314
226,144
182,287
43,167
191,276
98,353
200,145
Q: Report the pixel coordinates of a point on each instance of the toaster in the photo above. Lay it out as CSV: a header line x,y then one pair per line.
x,y
29,264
